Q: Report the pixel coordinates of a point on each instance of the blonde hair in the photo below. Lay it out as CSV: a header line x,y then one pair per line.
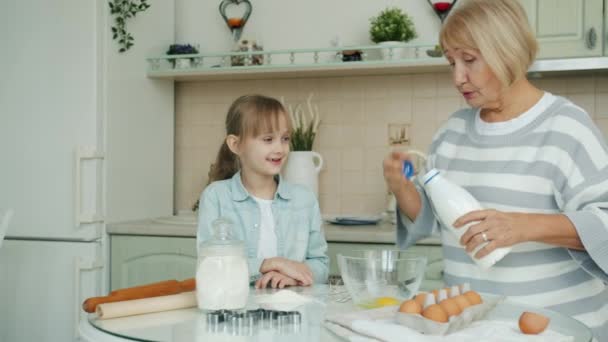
x,y
248,116
499,30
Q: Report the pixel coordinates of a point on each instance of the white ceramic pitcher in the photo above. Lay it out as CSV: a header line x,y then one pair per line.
x,y
303,168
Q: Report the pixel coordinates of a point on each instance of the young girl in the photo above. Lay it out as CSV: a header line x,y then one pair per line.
x,y
280,222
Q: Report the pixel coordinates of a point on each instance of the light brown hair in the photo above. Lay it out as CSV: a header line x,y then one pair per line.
x,y
248,116
499,30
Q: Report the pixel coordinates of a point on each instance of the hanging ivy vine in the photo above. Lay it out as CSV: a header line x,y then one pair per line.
x,y
122,10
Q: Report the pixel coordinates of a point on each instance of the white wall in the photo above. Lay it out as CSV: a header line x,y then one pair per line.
x,y
140,116
281,24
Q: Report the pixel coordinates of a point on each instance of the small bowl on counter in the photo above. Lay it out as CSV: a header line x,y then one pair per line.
x,y
376,278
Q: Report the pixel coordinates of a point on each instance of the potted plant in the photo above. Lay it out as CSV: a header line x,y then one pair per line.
x,y
392,27
182,49
304,164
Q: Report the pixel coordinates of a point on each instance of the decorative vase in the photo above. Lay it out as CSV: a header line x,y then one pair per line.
x,y
303,168
392,50
183,63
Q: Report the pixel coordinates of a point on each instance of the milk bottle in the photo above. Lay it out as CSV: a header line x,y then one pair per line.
x,y
222,276
451,201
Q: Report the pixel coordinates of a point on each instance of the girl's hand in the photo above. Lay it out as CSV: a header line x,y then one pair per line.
x,y
299,271
500,229
275,280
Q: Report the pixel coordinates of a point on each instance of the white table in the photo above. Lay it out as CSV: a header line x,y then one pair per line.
x,y
190,325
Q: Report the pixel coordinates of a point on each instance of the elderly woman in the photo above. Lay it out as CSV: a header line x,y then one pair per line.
x,y
536,161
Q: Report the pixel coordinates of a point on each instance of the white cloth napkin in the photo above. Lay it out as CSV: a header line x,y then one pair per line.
x,y
389,331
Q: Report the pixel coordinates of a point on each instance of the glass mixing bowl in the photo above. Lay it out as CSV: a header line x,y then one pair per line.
x,y
376,278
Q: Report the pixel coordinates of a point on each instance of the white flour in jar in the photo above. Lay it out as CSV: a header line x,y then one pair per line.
x,y
222,282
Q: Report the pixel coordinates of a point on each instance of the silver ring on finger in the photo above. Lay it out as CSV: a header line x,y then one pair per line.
x,y
484,236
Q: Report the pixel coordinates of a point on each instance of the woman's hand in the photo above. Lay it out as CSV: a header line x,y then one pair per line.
x,y
299,271
276,280
498,228
393,171
404,190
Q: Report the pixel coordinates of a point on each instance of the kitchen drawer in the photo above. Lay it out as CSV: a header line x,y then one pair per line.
x,y
433,277
137,260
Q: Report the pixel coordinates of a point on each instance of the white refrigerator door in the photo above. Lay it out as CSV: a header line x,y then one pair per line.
x,y
50,105
42,287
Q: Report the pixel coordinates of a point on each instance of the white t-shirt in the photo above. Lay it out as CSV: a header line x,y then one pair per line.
x,y
510,126
267,244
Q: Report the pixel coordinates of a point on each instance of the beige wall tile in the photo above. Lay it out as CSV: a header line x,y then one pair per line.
x,y
424,86
353,137
400,86
601,83
373,182
376,88
585,101
601,105
580,85
602,123
376,135
444,108
352,111
445,86
352,159
352,183
329,111
329,136
330,89
374,158
330,183
551,84
330,204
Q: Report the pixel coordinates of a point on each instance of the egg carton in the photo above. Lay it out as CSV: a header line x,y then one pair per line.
x,y
455,323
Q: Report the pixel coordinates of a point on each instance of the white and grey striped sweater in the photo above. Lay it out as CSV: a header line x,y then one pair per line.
x,y
556,163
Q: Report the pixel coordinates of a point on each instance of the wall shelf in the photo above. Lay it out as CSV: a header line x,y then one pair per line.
x,y
300,63
315,63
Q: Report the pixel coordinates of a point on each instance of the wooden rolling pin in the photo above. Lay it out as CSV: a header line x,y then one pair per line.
x,y
163,288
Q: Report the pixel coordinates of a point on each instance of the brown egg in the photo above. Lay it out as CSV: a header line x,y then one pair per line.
x,y
462,302
532,323
435,312
436,294
410,306
450,307
420,298
473,297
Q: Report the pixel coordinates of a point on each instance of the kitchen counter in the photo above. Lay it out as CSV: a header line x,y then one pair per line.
x,y
185,226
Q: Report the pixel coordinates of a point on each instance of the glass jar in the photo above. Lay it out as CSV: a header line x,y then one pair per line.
x,y
222,276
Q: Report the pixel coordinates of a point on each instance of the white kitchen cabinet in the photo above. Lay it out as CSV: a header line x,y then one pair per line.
x,y
567,28
433,277
138,260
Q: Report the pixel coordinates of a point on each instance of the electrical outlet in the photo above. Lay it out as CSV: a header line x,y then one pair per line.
x,y
399,134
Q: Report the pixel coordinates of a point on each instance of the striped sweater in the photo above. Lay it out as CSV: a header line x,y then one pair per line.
x,y
556,162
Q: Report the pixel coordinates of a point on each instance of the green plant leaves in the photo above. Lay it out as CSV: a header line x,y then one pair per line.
x,y
123,10
392,25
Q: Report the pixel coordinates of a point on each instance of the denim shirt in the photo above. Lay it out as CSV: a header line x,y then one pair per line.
x,y
297,223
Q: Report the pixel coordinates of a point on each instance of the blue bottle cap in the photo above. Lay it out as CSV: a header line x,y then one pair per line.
x,y
408,169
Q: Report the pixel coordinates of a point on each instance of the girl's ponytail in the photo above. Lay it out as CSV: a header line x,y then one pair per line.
x,y
225,166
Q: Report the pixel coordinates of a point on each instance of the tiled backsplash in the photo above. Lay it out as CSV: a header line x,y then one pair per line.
x,y
353,136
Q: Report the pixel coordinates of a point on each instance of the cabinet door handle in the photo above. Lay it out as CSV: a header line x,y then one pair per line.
x,y
591,38
84,153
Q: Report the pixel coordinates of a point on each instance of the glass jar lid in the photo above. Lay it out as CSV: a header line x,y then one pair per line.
x,y
222,243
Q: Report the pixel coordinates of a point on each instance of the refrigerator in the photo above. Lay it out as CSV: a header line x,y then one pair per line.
x,y
85,140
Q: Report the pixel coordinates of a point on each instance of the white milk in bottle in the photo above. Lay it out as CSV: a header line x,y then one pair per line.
x,y
451,201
